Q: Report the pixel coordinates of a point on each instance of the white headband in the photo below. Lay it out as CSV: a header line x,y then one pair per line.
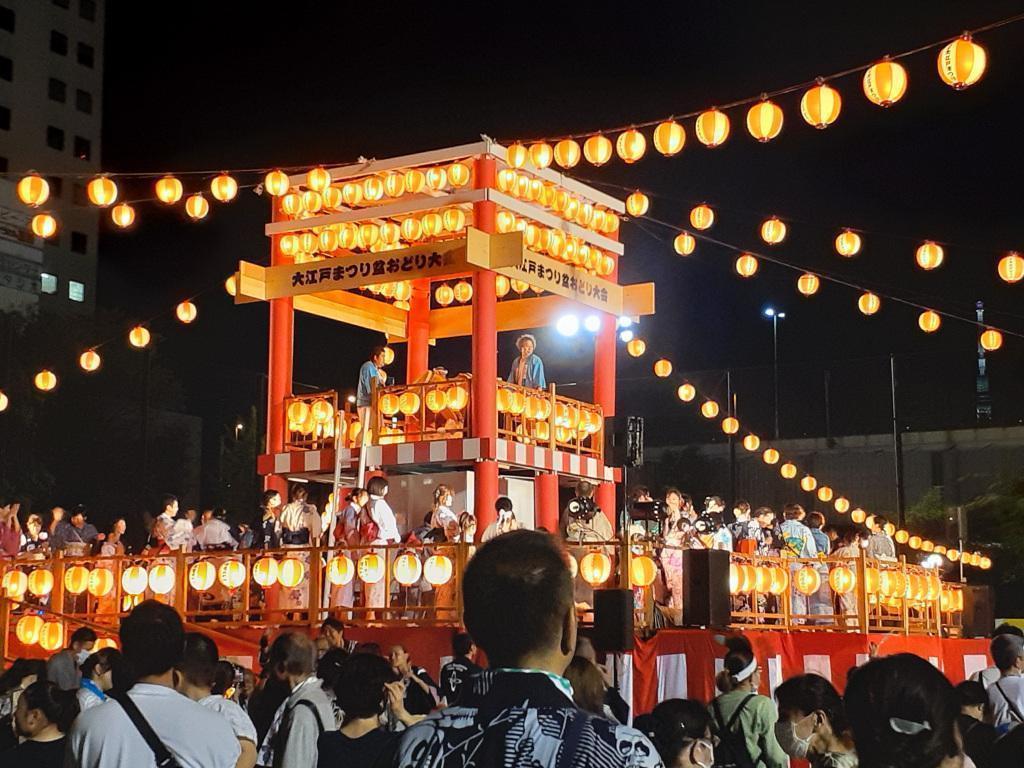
x,y
746,672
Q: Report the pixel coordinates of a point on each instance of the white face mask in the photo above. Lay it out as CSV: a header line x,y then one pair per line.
x,y
791,742
81,656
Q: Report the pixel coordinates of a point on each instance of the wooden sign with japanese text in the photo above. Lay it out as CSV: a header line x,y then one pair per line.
x,y
566,281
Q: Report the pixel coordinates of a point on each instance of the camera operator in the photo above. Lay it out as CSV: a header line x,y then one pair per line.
x,y
583,520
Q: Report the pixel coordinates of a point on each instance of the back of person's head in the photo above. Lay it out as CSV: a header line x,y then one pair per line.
x,y
377,486
462,644
815,520
587,685
152,638
359,686
673,725
224,677
738,667
503,504
584,489
292,653
792,511
518,598
691,715
972,694
103,660
329,666
371,649
1006,650
805,694
199,660
1007,629
81,636
58,706
355,494
299,492
334,624
18,671
880,522
902,712
742,506
639,492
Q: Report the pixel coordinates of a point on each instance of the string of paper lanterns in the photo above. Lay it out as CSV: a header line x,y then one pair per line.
x,y
961,62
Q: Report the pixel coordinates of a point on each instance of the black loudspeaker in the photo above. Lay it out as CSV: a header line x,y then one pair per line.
x,y
979,618
624,441
613,620
706,601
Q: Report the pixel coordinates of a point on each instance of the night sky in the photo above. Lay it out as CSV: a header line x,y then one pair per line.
x,y
208,87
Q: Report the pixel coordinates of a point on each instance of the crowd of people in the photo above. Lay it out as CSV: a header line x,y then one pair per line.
x,y
534,695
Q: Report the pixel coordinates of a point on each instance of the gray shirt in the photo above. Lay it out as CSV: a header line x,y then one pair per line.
x,y
62,670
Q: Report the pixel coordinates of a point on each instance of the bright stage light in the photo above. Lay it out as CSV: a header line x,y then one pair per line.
x,y
592,323
932,561
568,325
626,336
769,311
625,322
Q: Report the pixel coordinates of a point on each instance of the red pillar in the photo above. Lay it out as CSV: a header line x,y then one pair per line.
x,y
485,354
279,365
418,330
545,501
604,392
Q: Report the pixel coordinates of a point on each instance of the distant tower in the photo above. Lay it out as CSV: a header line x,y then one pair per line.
x,y
982,396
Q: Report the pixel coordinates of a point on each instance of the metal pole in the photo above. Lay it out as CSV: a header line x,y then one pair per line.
x,y
775,348
731,408
961,535
828,410
897,439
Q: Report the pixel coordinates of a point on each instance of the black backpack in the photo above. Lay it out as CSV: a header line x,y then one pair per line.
x,y
731,750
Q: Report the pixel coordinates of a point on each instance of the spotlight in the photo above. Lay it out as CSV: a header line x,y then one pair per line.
x,y
626,336
769,311
625,321
932,561
592,323
568,325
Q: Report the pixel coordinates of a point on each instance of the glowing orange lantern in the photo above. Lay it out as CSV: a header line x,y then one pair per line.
x,y
407,569
231,574
457,397
848,243
598,150
516,155
438,570
869,303
771,456
540,154
76,579
223,188
28,629
686,392
196,207
808,284
454,219
290,573
371,568
15,583
929,255
265,571
773,230
764,120
702,217
779,580
825,493
820,105
123,215
45,381
51,636
101,582
663,368
991,340
929,321
730,425
459,175
566,153
33,190
808,483
746,265
341,570
788,470
40,582
684,244
595,568
962,63
807,580
669,138
44,225
709,409
134,580
102,191
186,312
90,361
914,542
161,579
275,183
872,580
842,580
631,145
1011,267
642,571
637,204
885,83
842,505
463,291
409,403
202,575
139,337
858,516
712,128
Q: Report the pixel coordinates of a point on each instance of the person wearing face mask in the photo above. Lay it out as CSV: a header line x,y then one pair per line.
x,y
100,672
506,519
681,732
742,719
812,723
63,667
42,718
378,526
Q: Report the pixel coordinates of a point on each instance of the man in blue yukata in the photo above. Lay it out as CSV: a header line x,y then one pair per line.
x,y
528,370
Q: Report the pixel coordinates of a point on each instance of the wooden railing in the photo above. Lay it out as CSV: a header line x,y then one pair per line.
x,y
547,419
407,413
313,420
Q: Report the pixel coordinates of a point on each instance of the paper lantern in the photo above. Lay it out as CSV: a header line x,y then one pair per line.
x,y
373,188
686,392
929,255
312,201
298,412
825,493
770,456
842,580
985,563
858,516
807,580
123,215
788,470
808,284
389,404
33,190
764,120
762,579
40,582
848,243
202,575
642,571
541,154
631,145
231,574
186,312
318,179
712,128
459,175
291,204
407,569
101,582
779,580
869,303
902,537
76,579
454,219
663,368
45,380
161,579
991,340
872,580
885,83
290,572
595,568
820,105
926,545
1011,267
929,321
15,583
746,265
51,636
275,183
914,542
457,397
516,155
44,225
409,403
892,583
224,188
104,642
598,150
102,191
90,360
702,217
841,505
371,568
741,578
709,409
953,555
773,230
684,243
636,347
231,285
637,204
341,570
28,629
139,337
808,483
730,425
134,580
566,153
265,571
463,291
438,570
933,587
962,63
669,138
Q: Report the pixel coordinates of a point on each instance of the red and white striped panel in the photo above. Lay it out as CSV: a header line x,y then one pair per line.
x,y
537,457
300,462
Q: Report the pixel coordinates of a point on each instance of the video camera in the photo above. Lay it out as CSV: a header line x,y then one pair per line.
x,y
582,508
648,511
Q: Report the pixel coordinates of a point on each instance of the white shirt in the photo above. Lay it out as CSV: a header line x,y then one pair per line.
x,y
385,520
240,721
87,699
181,535
1011,688
215,533
104,736
299,516
987,676
442,517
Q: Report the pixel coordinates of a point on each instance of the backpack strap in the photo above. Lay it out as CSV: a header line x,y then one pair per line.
x,y
1009,703
739,710
163,756
312,708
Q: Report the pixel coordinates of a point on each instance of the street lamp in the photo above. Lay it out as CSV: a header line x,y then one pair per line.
x,y
238,428
775,315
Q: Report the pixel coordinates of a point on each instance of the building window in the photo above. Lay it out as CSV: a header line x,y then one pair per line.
x,y
58,42
76,290
3,164
47,283
56,185
5,118
54,137
83,148
6,69
83,101
79,242
79,195
6,18
58,90
86,55
87,9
